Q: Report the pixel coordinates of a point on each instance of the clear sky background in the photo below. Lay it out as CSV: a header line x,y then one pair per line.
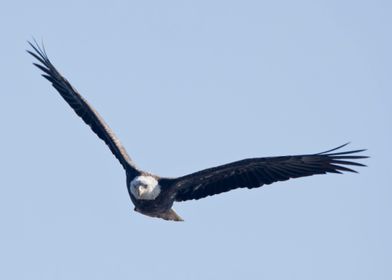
x,y
187,85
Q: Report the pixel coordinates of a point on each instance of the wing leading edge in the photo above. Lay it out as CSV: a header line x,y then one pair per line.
x,y
81,107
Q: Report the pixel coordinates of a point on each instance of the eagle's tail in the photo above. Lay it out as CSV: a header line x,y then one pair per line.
x,y
170,215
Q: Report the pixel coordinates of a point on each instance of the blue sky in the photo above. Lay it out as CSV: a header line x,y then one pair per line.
x,y
188,85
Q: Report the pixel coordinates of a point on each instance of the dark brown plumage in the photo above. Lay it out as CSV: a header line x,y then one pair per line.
x,y
256,172
81,107
154,196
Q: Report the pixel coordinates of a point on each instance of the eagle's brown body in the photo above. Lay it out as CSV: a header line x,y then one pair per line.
x,y
154,196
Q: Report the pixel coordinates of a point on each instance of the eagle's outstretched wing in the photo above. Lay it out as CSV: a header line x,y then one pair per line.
x,y
256,172
84,110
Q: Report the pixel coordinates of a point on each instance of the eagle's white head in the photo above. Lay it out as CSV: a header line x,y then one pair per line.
x,y
145,187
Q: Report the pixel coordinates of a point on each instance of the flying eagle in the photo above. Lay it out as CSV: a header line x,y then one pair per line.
x,y
154,196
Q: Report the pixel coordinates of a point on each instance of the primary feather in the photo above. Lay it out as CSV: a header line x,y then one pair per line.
x,y
81,107
256,172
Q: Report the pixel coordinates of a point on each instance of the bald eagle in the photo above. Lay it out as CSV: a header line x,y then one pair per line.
x,y
154,196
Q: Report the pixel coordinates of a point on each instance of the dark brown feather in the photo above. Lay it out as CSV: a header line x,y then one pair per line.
x,y
256,172
81,107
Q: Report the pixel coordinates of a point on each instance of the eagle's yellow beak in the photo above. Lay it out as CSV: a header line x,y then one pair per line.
x,y
140,190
